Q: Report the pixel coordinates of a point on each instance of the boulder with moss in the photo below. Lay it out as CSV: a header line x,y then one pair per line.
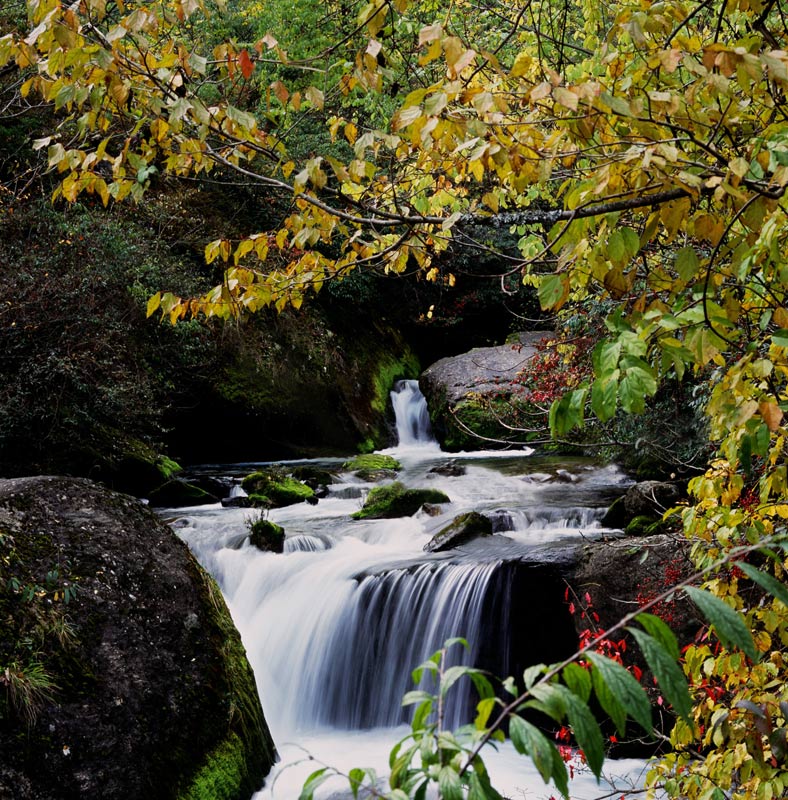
x,y
129,678
267,536
461,530
394,500
470,394
272,489
373,467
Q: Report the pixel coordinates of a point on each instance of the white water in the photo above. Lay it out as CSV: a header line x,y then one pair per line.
x,y
334,626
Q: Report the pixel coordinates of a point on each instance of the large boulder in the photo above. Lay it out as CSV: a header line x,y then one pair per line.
x,y
121,673
462,391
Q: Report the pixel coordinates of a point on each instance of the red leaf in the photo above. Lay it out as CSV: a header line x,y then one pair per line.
x,y
245,63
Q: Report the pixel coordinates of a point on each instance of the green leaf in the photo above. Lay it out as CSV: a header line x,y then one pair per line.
x,y
578,680
667,672
605,357
604,398
316,779
687,263
628,693
556,701
483,710
766,581
780,338
529,740
449,784
552,291
661,632
728,624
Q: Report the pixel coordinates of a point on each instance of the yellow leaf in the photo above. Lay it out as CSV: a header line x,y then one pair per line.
x,y
430,33
771,414
565,98
153,303
490,199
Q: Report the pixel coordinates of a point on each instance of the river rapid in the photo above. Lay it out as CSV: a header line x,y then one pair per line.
x,y
335,624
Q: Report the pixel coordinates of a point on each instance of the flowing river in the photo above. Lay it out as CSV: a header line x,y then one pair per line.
x,y
335,624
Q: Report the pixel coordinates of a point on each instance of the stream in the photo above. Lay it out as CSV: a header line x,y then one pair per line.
x,y
335,624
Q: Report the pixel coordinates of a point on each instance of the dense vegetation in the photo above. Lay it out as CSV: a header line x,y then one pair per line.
x,y
628,159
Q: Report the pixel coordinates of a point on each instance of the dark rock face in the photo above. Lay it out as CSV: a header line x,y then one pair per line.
x,y
620,574
154,696
462,529
646,499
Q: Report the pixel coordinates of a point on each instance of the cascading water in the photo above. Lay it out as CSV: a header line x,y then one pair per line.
x,y
334,625
411,415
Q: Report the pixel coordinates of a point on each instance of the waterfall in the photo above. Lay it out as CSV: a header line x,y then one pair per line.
x,y
411,415
334,626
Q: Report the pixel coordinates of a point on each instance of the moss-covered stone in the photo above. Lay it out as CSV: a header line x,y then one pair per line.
x,y
394,500
373,461
460,530
267,536
644,525
313,476
273,490
177,493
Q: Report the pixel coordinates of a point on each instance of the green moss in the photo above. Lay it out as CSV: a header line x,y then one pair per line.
x,y
168,467
266,535
222,773
394,500
372,461
389,370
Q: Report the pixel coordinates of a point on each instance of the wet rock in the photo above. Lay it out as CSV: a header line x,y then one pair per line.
x,y
501,521
565,476
449,470
237,501
462,529
313,476
431,510
150,691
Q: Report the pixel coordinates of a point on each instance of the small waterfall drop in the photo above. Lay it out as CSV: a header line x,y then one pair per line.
x,y
411,415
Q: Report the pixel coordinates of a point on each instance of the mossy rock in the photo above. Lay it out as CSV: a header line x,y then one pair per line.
x,y
461,530
177,493
372,461
375,475
644,526
394,500
267,536
274,491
